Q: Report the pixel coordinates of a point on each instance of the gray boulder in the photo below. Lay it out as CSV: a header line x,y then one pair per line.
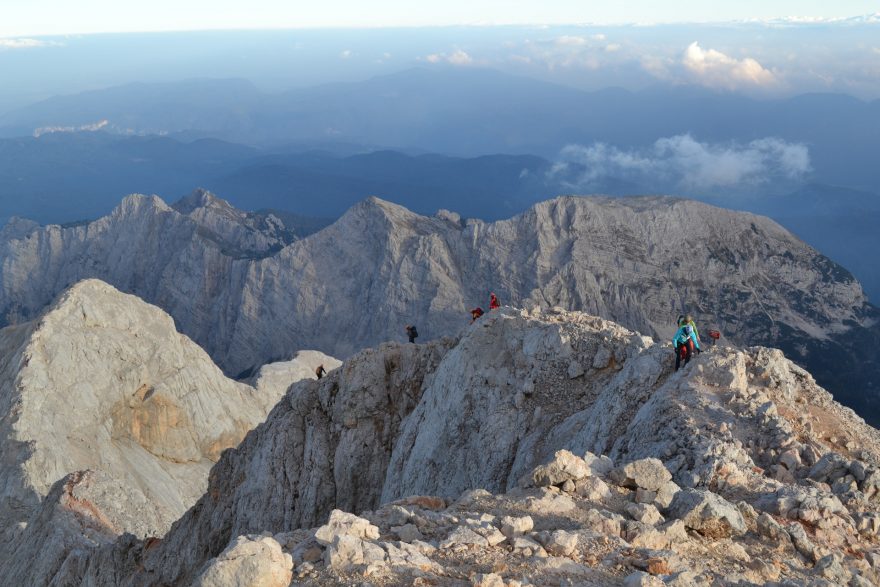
x,y
249,561
708,513
648,474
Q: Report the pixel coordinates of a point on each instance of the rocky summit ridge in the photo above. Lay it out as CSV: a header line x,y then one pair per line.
x,y
249,297
538,448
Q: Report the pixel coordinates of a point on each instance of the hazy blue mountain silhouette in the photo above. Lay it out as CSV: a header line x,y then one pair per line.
x,y
72,176
474,111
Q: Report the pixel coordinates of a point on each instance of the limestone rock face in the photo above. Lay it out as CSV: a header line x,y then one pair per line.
x,y
83,511
103,381
240,234
225,279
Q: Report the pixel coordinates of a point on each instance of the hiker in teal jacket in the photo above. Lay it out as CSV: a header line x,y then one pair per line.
x,y
690,322
684,341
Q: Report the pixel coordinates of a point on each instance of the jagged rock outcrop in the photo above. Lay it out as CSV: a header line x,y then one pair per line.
x,y
239,234
359,281
103,392
489,418
273,379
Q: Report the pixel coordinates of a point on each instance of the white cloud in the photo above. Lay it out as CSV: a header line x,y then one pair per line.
x,y
457,57
684,162
345,54
577,41
715,69
571,41
10,44
817,20
612,47
45,130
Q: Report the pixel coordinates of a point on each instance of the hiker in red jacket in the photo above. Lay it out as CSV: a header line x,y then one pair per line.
x,y
494,304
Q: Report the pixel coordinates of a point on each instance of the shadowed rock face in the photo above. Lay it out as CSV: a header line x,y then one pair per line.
x,y
485,410
638,261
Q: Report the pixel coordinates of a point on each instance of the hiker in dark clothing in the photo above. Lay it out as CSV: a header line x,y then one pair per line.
x,y
476,313
412,333
494,304
320,371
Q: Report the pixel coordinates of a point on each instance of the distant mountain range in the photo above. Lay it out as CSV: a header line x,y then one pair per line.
x,y
471,112
355,283
67,177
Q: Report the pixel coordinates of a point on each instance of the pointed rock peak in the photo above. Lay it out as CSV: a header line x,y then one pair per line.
x,y
97,303
377,203
91,287
134,203
201,198
373,209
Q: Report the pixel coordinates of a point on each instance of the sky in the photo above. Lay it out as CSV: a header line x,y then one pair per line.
x,y
28,18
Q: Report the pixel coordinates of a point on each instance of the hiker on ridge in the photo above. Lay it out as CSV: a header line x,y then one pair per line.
x,y
684,342
411,333
320,371
476,313
689,320
494,304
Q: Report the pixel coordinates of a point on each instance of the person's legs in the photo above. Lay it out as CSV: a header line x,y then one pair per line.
x,y
678,352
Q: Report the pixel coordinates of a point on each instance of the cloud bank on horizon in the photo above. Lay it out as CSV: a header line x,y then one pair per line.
x,y
684,163
765,59
26,43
